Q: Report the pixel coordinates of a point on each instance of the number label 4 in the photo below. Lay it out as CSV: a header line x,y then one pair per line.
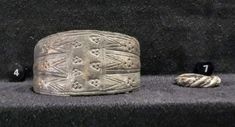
x,y
16,72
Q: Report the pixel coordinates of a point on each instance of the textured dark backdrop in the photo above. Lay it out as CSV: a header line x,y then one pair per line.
x,y
157,103
174,34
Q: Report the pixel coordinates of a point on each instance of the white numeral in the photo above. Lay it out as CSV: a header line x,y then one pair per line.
x,y
16,72
206,67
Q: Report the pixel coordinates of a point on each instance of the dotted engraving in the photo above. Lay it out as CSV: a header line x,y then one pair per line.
x,y
77,60
129,46
93,62
95,82
130,81
95,39
77,44
40,84
128,63
46,65
96,66
76,85
95,52
76,72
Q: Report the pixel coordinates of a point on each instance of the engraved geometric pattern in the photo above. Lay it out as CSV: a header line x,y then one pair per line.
x,y
86,62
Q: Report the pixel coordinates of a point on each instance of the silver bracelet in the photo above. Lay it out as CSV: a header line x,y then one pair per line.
x,y
86,62
197,80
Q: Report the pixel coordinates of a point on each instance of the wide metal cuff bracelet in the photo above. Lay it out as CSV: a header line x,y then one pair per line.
x,y
86,62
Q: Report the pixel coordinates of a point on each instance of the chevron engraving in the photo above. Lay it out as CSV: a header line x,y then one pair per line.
x,y
86,62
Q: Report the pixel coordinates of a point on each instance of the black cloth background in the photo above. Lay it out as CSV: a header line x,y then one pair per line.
x,y
157,103
173,34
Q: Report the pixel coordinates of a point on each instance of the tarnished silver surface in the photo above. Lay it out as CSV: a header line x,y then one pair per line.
x,y
86,62
197,80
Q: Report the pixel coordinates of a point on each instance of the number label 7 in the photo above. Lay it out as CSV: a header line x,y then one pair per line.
x,y
206,67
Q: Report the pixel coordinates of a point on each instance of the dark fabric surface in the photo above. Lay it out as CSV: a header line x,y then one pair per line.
x,y
173,34
157,103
